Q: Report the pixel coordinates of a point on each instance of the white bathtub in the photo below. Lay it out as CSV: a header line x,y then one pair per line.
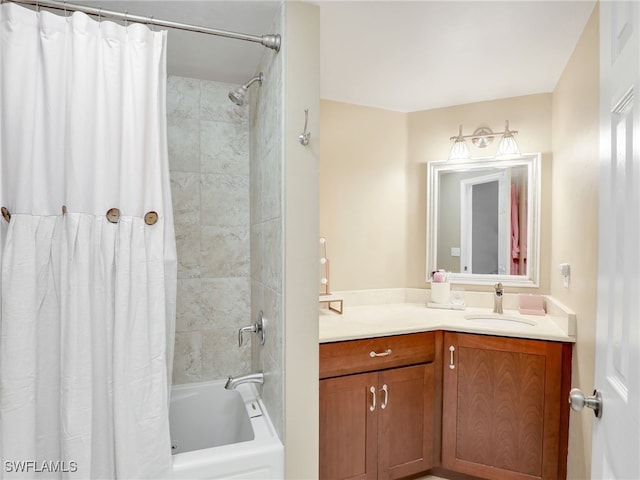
x,y
217,433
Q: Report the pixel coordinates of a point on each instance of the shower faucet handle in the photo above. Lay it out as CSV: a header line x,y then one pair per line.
x,y
257,328
243,330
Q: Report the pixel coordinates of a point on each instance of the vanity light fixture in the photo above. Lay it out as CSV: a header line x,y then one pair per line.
x,y
481,138
460,150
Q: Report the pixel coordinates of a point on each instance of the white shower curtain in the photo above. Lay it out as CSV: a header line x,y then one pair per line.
x,y
87,305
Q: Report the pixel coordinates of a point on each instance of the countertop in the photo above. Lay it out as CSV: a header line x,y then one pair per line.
x,y
367,321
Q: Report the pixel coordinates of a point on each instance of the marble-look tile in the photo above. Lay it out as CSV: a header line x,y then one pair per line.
x,y
187,360
215,103
266,228
226,303
272,392
271,187
183,97
188,246
189,305
257,252
272,308
183,144
221,356
208,134
224,147
224,200
255,189
269,117
225,251
272,259
185,195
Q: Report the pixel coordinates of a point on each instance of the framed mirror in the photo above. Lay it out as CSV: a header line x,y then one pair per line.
x,y
483,220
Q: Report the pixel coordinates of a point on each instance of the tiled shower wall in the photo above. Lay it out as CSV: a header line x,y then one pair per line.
x,y
267,228
209,163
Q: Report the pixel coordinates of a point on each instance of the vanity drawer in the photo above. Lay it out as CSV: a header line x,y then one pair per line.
x,y
355,356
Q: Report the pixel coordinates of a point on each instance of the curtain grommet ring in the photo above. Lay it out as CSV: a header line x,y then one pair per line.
x,y
151,218
6,214
113,215
64,209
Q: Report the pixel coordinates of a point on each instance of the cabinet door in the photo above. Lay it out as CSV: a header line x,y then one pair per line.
x,y
405,421
503,407
348,427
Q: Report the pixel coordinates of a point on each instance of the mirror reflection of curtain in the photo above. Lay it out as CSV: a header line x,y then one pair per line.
x,y
515,231
87,304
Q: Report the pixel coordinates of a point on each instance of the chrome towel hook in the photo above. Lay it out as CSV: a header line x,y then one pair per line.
x,y
304,136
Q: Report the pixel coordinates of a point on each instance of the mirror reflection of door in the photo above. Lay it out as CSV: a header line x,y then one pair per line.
x,y
485,213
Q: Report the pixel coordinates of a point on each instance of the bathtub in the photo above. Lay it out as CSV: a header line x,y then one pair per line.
x,y
217,433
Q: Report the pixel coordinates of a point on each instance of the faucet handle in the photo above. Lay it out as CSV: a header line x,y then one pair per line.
x,y
241,332
499,288
257,328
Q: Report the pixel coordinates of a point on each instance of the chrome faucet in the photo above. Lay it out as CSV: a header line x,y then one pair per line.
x,y
232,383
497,298
257,328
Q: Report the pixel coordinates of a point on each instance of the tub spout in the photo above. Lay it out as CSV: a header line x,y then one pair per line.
x,y
232,383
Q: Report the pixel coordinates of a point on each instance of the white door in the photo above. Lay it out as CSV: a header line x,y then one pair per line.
x,y
499,248
616,435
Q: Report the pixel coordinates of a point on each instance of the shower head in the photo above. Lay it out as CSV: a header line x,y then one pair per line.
x,y
237,95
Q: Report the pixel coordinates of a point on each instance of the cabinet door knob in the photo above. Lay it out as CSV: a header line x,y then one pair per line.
x,y
386,353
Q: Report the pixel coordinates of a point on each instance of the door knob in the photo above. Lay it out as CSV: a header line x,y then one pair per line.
x,y
578,400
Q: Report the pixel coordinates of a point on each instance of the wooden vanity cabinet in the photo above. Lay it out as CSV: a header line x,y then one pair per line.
x,y
378,402
505,412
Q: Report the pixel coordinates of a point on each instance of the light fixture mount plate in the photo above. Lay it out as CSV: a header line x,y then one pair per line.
x,y
482,137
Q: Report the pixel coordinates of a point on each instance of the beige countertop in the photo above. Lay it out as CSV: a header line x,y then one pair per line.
x,y
367,321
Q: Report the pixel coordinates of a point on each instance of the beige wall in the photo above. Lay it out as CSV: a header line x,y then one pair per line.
x,y
373,182
574,224
301,90
363,195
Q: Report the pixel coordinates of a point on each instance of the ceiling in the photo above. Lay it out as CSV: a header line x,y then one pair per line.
x,y
420,55
396,55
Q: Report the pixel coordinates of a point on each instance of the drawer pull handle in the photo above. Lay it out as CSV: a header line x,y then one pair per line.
x,y
386,353
452,365
385,389
372,407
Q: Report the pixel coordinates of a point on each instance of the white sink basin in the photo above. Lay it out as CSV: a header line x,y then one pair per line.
x,y
498,319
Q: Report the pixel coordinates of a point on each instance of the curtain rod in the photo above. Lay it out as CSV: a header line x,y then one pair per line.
x,y
270,41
